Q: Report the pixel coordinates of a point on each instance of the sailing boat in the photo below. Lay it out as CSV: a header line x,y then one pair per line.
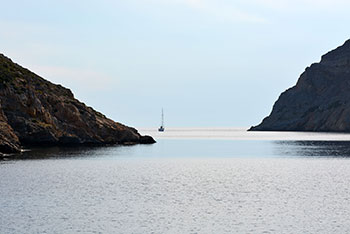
x,y
161,128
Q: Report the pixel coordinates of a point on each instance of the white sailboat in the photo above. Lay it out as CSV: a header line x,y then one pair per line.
x,y
161,128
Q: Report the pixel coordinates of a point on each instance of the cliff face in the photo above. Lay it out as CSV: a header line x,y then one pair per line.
x,y
35,111
320,101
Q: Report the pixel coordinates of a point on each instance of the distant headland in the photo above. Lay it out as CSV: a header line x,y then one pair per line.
x,y
34,111
320,101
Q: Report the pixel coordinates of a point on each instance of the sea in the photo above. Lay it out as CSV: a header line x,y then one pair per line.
x,y
193,180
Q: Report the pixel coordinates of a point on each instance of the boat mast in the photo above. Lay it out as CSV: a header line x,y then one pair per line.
x,y
162,118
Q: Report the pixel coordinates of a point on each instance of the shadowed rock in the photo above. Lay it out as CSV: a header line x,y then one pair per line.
x,y
35,111
147,140
320,101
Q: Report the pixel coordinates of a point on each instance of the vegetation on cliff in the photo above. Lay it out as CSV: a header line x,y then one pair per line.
x,y
34,111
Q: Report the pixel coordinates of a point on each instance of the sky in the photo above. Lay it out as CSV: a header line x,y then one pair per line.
x,y
208,63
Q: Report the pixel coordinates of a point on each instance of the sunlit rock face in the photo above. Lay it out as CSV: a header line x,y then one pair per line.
x,y
35,111
320,101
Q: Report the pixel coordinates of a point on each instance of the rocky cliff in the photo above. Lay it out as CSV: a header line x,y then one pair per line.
x,y
320,101
34,111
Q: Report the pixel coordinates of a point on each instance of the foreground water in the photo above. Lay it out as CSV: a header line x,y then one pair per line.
x,y
191,181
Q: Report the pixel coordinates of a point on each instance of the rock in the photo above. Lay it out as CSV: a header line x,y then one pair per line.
x,y
320,101
9,142
147,140
35,111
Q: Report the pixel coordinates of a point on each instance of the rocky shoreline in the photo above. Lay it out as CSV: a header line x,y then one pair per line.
x,y
34,111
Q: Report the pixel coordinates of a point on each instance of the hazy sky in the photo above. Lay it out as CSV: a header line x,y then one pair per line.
x,y
207,62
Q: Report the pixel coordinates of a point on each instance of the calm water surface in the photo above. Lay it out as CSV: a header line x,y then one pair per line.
x,y
191,181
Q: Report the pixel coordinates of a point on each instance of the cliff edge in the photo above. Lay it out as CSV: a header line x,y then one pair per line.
x,y
320,101
34,111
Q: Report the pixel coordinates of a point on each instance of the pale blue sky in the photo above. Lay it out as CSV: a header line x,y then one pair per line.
x,y
207,62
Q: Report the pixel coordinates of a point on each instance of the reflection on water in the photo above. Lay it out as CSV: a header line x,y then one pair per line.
x,y
68,152
209,143
90,152
196,148
312,148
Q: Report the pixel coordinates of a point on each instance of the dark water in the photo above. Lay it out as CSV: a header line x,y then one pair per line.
x,y
191,181
196,148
